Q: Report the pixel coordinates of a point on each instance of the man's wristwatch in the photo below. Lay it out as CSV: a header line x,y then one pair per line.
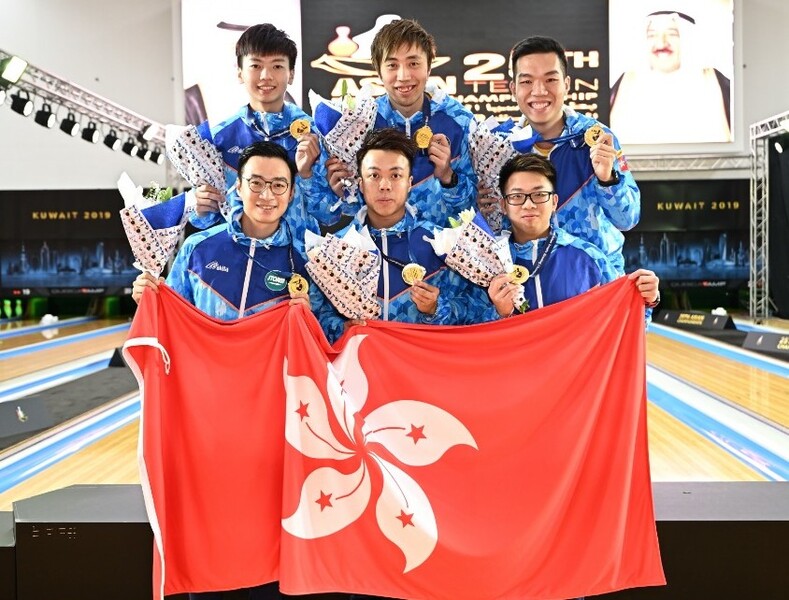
x,y
452,182
614,179
655,303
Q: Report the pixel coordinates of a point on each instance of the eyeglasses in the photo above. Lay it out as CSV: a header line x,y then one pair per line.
x,y
258,184
519,198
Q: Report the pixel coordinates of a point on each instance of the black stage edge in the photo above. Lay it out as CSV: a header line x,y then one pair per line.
x,y
7,556
727,541
84,542
721,540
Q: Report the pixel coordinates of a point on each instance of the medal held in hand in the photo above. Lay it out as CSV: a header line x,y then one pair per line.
x,y
413,272
592,134
299,127
519,274
423,136
297,285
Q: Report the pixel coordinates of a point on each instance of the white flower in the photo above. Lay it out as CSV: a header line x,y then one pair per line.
x,y
414,432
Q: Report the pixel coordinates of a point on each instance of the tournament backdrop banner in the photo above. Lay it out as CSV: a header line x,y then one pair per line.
x,y
692,232
505,460
473,47
63,242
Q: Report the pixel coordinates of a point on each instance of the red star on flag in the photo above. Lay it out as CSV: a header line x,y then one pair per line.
x,y
417,433
302,410
406,518
324,500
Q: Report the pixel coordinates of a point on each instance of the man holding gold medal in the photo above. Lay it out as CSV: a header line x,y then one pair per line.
x,y
551,264
444,180
597,195
414,284
255,260
266,59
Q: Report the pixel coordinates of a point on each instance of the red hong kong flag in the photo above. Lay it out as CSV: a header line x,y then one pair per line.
x,y
211,442
498,461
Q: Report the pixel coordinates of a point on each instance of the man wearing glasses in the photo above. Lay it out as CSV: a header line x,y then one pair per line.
x,y
559,264
238,268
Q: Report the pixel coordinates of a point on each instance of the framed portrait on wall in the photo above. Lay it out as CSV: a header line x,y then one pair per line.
x,y
672,72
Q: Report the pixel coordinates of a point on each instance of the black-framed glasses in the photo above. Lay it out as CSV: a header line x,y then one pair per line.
x,y
258,184
519,198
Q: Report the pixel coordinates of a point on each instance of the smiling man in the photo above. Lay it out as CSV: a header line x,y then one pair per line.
x,y
241,267
266,60
690,99
559,265
443,177
597,195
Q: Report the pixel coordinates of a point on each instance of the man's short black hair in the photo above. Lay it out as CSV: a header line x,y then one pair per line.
x,y
537,44
266,40
268,150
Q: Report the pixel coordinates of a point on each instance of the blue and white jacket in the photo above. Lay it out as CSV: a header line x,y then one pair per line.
x,y
224,273
594,213
573,267
405,242
432,202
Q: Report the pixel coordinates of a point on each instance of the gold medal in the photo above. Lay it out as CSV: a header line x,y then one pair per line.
x,y
423,136
413,272
592,134
298,285
299,127
519,274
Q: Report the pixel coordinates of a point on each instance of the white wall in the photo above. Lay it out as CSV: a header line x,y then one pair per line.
x,y
117,49
124,51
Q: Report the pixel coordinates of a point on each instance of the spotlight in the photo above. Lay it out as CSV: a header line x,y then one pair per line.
x,y
778,148
112,141
144,153
157,156
130,147
11,69
90,133
149,132
22,104
45,117
69,125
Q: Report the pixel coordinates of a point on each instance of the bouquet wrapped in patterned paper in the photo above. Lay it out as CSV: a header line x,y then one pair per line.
x,y
196,159
343,126
472,249
153,223
346,269
489,151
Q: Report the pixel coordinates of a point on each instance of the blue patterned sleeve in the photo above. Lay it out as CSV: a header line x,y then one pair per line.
x,y
320,200
459,301
178,278
464,194
621,203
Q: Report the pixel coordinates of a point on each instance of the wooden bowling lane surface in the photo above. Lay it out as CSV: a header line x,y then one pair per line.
x,y
57,333
112,459
759,392
44,358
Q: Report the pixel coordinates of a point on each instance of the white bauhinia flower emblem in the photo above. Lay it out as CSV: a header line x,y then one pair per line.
x,y
414,432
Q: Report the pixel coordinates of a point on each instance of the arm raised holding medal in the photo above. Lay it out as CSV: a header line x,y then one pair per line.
x,y
597,198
